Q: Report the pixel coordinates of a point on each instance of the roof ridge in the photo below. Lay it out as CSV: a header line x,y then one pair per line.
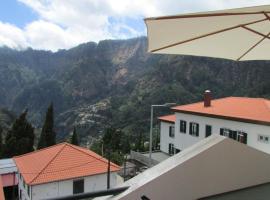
x,y
101,158
38,150
48,163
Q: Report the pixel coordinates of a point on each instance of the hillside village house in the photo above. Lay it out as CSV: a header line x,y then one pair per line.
x,y
62,170
246,120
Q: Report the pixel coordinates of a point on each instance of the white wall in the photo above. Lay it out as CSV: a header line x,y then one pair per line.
x,y
183,141
165,139
24,195
63,188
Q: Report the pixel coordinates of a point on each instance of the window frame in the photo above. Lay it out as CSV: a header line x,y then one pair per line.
x,y
171,149
207,125
75,187
263,140
171,131
194,131
181,128
226,132
237,135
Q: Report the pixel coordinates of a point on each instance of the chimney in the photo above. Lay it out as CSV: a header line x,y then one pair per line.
x,y
207,98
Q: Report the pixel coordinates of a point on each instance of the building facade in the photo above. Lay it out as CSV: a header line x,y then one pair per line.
x,y
246,120
65,187
62,170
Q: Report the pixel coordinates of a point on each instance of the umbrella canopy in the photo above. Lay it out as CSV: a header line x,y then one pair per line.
x,y
236,34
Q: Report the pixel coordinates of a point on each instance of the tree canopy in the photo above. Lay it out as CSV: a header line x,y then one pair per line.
x,y
47,136
20,138
74,137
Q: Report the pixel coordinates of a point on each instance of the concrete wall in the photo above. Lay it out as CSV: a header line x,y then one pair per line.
x,y
142,158
165,139
182,141
63,188
213,166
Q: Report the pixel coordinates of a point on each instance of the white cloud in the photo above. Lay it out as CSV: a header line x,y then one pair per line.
x,y
66,23
12,36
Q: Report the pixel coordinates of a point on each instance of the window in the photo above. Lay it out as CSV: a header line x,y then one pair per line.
x,y
171,148
78,186
183,126
194,129
239,136
23,184
263,138
171,131
225,132
208,130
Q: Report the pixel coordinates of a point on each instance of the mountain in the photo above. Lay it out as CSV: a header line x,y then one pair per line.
x,y
115,82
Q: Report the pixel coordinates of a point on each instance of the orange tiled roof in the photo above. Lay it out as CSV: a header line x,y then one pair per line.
x,y
168,118
60,162
254,110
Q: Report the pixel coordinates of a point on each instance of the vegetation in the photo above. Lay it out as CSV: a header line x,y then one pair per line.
x,y
125,77
74,137
20,138
114,143
48,136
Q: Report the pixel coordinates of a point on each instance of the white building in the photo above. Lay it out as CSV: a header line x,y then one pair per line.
x,y
246,120
62,170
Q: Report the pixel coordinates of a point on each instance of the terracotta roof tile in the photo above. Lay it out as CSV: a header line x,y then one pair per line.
x,y
239,108
60,162
168,118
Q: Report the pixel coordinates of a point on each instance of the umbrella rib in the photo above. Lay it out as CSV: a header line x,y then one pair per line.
x,y
266,15
256,32
206,35
204,15
251,48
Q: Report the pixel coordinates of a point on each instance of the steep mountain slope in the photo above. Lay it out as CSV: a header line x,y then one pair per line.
x,y
116,81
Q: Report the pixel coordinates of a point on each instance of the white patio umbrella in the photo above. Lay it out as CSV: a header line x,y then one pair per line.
x,y
236,34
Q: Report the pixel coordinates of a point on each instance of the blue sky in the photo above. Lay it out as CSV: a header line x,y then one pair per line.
x,y
16,13
62,24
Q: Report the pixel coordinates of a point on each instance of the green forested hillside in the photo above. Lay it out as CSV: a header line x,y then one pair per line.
x,y
6,119
116,81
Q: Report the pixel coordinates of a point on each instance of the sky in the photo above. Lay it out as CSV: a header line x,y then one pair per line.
x,y
62,24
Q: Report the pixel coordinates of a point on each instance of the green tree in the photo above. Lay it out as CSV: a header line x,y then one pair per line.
x,y
74,137
125,144
47,136
112,139
112,145
97,146
20,138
